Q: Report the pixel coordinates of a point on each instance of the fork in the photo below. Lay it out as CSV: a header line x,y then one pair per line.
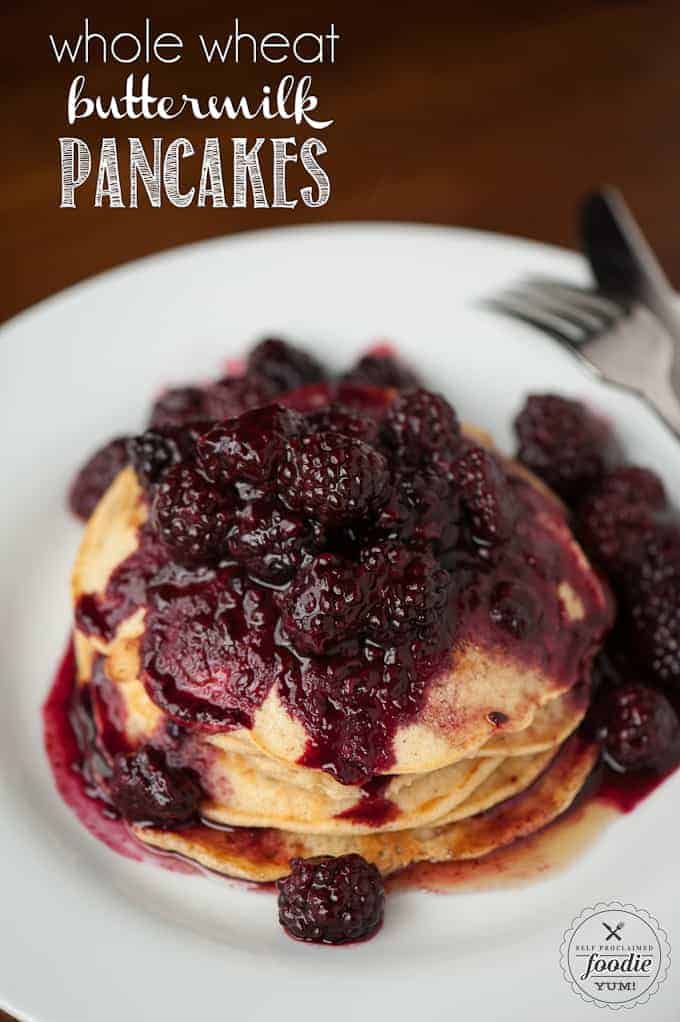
x,y
625,345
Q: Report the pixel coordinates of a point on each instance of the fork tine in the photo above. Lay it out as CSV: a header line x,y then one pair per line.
x,y
609,309
518,307
584,319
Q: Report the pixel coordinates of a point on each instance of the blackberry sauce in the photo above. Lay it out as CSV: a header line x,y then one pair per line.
x,y
214,646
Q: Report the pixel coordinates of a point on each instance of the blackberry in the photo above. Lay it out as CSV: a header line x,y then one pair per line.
x,y
419,425
179,406
152,453
485,497
616,517
190,516
638,726
655,628
248,447
563,443
206,652
270,541
328,601
95,477
634,484
235,395
338,418
423,507
656,563
333,478
144,789
413,596
329,900
282,366
382,370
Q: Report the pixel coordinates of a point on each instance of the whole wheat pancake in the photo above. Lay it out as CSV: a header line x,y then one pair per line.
x,y
141,718
246,787
254,799
246,794
511,777
480,685
339,623
265,855
552,724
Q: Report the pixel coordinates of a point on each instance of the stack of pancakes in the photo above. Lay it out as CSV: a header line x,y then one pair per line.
x,y
492,755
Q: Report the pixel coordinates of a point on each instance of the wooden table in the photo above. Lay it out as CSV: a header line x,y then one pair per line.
x,y
498,120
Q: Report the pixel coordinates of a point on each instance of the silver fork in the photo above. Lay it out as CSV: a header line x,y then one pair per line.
x,y
624,345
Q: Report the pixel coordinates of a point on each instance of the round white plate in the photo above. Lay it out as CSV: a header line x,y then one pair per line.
x,y
86,935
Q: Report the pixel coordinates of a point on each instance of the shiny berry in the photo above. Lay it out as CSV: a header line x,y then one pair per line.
x,y
629,483
612,535
382,370
206,652
270,541
413,595
248,447
617,515
657,561
419,425
327,602
179,406
423,507
153,453
283,366
144,789
190,516
485,495
333,478
329,900
95,477
638,726
338,418
563,443
235,395
655,632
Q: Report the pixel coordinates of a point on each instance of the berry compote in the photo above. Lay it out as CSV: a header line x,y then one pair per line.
x,y
340,540
339,544
621,515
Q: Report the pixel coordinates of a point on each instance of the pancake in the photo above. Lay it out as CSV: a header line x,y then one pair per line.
x,y
248,795
511,777
552,724
246,787
480,683
442,739
265,855
254,799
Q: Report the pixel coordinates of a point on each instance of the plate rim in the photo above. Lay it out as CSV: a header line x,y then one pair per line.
x,y
255,234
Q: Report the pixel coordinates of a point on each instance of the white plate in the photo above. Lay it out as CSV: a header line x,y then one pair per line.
x,y
86,935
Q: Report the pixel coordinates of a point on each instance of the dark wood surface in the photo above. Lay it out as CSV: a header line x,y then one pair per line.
x,y
497,116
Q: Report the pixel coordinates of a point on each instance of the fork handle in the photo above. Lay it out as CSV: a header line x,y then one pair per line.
x,y
622,260
624,263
